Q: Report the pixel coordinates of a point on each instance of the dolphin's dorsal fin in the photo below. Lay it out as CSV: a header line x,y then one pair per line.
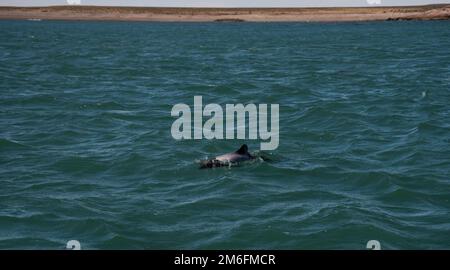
x,y
243,150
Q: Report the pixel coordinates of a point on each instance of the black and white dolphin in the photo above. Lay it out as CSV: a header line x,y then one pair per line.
x,y
228,159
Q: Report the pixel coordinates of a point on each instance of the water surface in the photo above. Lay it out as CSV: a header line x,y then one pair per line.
x,y
86,151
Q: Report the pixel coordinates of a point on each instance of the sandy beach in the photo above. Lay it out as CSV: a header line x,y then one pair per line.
x,y
427,12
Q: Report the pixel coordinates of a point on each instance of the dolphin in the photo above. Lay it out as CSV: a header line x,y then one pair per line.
x,y
229,159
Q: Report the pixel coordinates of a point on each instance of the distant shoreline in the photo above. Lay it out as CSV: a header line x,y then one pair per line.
x,y
338,14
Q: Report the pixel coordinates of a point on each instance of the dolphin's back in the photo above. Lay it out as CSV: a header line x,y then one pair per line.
x,y
232,157
227,159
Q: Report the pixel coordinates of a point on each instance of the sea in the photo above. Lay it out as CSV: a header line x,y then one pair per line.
x,y
87,153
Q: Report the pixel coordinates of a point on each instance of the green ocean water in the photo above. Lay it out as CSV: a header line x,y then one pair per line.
x,y
86,151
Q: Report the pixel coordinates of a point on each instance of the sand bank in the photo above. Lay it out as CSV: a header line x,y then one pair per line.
x,y
428,12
